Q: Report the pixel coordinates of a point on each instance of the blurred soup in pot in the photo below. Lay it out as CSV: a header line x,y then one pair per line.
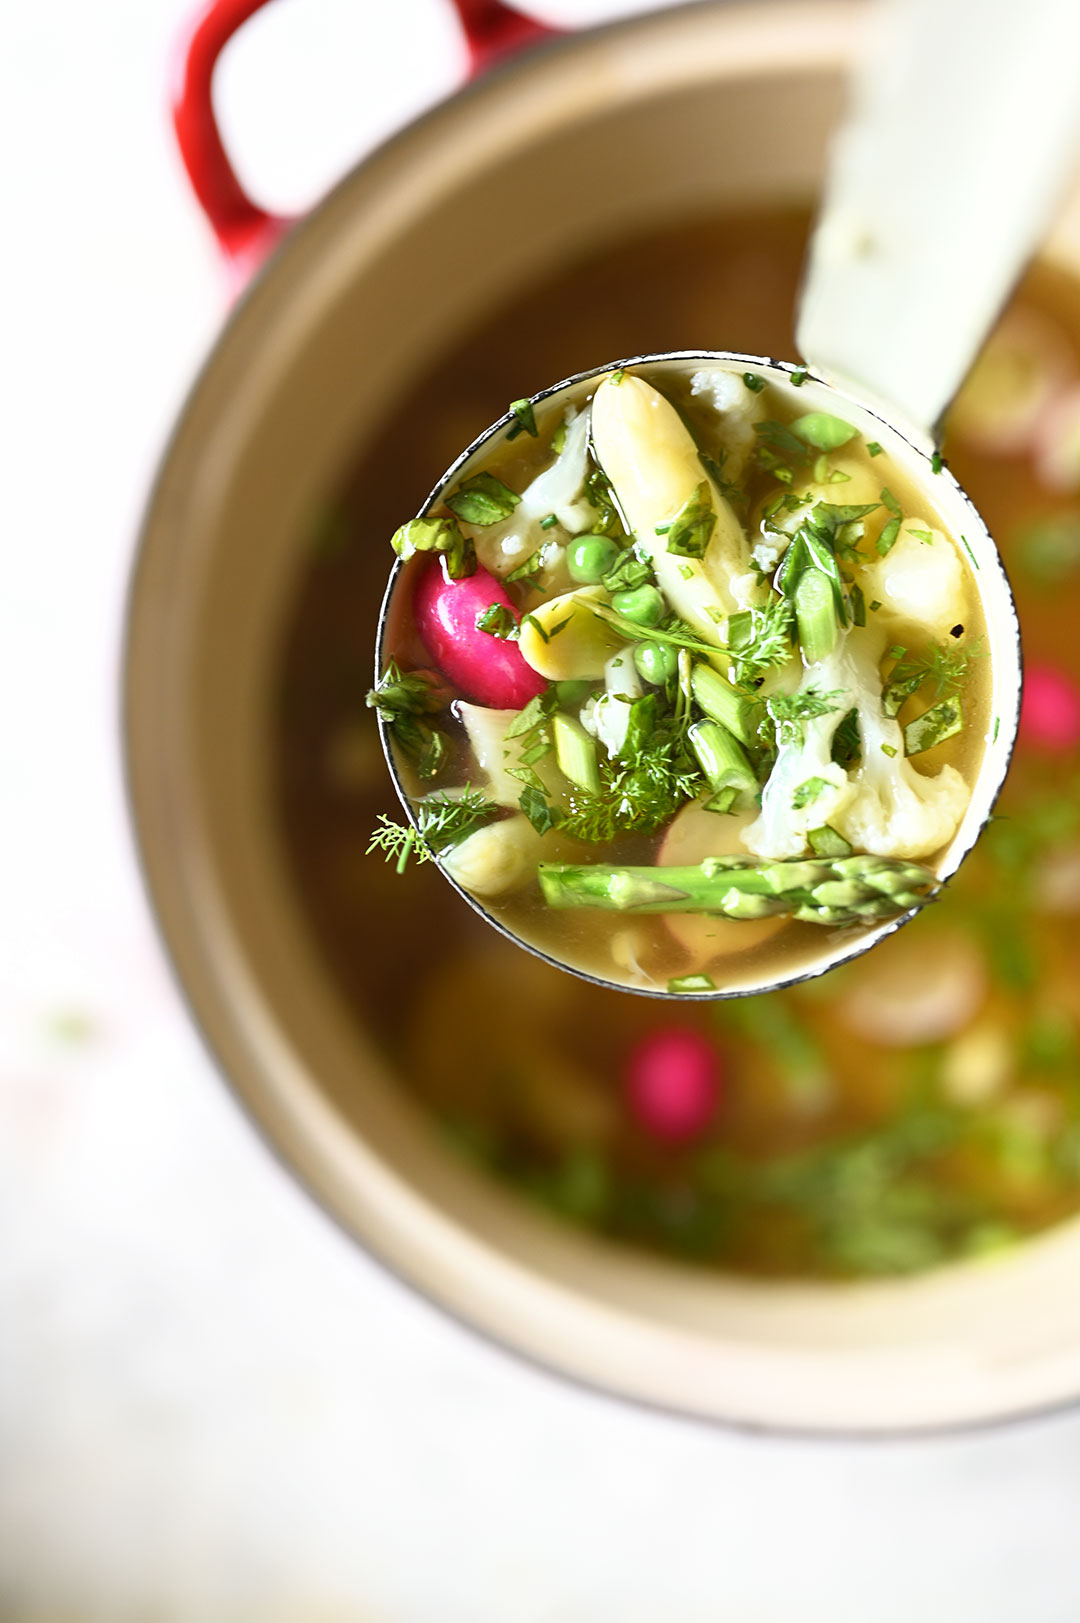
x,y
920,1105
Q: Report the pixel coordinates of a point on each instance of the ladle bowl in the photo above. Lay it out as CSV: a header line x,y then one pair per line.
x,y
960,519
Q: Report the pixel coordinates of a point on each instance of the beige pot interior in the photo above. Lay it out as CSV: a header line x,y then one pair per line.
x,y
668,116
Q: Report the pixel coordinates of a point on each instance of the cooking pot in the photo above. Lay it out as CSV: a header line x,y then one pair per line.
x,y
575,140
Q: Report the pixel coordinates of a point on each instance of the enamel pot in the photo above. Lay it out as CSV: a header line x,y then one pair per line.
x,y
569,141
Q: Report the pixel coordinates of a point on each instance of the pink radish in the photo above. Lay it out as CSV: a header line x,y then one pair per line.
x,y
673,1083
1050,713
486,669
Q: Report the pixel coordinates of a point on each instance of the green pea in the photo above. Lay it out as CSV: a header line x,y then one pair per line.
x,y
656,662
643,605
590,557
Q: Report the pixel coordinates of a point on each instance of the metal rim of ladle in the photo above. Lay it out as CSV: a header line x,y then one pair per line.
x,y
866,940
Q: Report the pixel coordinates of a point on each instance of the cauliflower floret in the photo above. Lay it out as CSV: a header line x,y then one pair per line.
x,y
896,810
738,409
806,759
885,805
559,490
920,580
608,716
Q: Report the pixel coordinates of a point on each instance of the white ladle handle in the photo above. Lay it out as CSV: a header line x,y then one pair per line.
x,y
964,130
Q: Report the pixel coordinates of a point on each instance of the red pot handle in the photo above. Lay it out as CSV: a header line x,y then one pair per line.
x,y
245,232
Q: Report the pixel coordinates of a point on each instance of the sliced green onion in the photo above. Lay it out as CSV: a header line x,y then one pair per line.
x,y
721,702
827,841
526,419
815,615
575,752
721,757
693,983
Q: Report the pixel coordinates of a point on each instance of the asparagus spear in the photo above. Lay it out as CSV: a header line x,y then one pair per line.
x,y
836,891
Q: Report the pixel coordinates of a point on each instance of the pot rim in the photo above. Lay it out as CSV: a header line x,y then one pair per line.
x,y
185,950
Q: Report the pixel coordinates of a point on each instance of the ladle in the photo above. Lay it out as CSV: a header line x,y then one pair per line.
x,y
960,141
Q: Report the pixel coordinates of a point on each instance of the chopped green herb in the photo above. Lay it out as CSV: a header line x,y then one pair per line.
x,y
753,382
822,430
696,983
780,438
693,524
530,569
808,792
798,377
926,536
686,571
531,620
526,419
847,742
498,621
760,639
971,555
558,439
788,711
889,750
997,729
886,540
616,377
541,814
548,522
482,499
875,605
873,448
437,535
629,572
936,463
943,721
608,520
442,820
858,606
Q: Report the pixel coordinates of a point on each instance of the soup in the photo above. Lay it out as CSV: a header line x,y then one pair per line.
x,y
919,1105
707,678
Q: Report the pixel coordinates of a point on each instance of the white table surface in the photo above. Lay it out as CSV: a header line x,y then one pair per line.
x,y
212,1406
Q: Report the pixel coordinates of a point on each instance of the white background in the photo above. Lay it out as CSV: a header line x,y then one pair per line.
x,y
212,1407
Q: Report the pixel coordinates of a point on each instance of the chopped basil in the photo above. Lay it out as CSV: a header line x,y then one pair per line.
x,y
437,535
482,499
693,524
541,814
529,570
526,419
808,792
847,741
498,621
944,720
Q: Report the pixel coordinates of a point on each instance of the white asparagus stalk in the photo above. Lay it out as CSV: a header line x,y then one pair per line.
x,y
648,454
